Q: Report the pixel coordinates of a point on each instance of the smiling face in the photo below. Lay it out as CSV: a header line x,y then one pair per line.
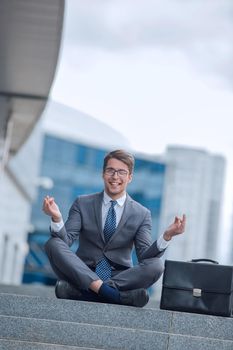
x,y
115,183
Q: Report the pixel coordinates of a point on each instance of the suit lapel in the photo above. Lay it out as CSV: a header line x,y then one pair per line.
x,y
98,213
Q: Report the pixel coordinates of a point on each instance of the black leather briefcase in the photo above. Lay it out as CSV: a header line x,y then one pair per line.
x,y
201,286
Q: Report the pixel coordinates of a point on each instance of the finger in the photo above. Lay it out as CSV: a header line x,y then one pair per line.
x,y
46,199
177,220
183,221
45,207
46,202
51,200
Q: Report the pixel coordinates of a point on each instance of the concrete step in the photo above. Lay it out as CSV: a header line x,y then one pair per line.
x,y
34,321
180,342
26,331
28,289
80,334
84,312
6,344
47,291
117,315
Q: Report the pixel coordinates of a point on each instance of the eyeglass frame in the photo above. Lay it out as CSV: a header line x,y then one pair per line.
x,y
114,171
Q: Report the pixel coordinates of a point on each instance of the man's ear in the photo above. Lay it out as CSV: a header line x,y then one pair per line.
x,y
130,178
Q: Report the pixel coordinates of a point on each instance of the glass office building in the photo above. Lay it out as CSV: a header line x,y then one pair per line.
x,y
76,169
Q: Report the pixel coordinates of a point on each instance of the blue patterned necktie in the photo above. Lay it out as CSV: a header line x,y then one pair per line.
x,y
103,268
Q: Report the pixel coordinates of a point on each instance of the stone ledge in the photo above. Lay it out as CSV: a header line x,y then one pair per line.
x,y
85,312
7,344
28,289
80,335
180,342
117,315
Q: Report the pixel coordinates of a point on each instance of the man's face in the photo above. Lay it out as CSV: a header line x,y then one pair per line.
x,y
115,183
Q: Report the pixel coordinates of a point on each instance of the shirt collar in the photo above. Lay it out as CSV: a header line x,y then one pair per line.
x,y
120,201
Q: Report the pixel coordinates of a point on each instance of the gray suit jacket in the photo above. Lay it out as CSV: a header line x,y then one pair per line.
x,y
85,223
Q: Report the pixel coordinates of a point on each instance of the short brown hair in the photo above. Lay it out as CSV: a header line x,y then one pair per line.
x,y
121,155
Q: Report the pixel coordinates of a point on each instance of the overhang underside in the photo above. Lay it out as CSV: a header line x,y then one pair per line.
x,y
30,36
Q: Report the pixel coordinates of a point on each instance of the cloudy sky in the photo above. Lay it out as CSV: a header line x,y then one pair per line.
x,y
159,71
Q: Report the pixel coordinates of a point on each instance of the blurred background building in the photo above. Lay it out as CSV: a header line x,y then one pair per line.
x,y
194,185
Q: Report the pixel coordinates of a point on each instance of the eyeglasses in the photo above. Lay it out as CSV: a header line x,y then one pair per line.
x,y
120,172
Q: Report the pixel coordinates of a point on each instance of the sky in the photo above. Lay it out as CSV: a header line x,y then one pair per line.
x,y
158,71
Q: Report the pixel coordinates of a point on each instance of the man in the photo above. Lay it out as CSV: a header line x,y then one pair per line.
x,y
108,225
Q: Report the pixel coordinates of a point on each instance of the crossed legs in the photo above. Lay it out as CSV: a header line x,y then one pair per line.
x,y
69,267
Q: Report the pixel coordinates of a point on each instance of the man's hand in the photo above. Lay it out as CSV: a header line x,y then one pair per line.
x,y
176,228
50,208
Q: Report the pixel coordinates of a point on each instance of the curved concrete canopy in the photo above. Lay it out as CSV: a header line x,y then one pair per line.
x,y
30,36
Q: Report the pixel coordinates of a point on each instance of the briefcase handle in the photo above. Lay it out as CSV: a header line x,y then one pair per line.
x,y
205,260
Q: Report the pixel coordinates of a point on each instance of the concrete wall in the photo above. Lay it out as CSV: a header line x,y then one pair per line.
x,y
18,187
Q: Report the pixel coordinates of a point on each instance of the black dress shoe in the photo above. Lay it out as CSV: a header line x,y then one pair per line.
x,y
65,290
135,297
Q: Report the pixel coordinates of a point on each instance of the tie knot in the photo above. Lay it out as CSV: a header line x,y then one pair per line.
x,y
113,203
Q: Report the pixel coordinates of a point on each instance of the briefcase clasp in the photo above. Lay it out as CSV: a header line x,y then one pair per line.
x,y
197,292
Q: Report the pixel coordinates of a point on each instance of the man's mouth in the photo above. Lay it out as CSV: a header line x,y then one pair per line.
x,y
114,183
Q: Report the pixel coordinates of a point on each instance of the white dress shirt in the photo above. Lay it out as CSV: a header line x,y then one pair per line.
x,y
119,207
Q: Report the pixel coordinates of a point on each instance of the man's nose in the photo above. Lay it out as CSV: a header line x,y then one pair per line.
x,y
115,175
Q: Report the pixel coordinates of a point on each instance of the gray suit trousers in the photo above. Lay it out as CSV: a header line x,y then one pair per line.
x,y
69,267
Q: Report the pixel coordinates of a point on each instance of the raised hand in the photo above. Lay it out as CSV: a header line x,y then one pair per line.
x,y
51,209
176,228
